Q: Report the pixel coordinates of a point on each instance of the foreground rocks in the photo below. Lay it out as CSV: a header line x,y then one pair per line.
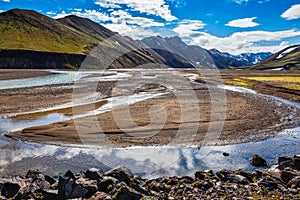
x,y
279,182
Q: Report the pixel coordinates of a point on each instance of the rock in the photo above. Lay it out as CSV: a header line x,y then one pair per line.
x,y
101,195
285,162
223,173
10,190
268,183
237,179
107,184
258,161
50,194
70,174
33,174
294,183
50,179
286,176
121,173
94,174
225,154
89,185
125,193
201,175
296,163
69,189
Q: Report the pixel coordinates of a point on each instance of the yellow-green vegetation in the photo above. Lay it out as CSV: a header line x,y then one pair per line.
x,y
69,111
289,79
286,81
239,82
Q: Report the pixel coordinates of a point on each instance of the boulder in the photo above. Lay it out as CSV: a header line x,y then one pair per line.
x,y
296,163
258,161
94,174
107,184
121,173
285,162
125,193
237,179
90,185
286,176
69,189
10,190
294,183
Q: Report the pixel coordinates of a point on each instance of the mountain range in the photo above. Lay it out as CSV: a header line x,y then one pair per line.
x,y
32,40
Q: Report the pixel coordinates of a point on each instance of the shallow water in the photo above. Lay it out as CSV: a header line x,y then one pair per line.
x,y
16,157
147,161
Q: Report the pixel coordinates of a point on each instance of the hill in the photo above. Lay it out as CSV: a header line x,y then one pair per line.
x,y
288,58
72,37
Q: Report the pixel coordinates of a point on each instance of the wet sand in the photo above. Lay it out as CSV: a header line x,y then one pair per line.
x,y
248,118
8,74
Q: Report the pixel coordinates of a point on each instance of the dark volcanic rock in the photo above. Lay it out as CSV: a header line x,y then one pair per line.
x,y
258,161
120,173
68,188
125,193
94,174
10,190
286,176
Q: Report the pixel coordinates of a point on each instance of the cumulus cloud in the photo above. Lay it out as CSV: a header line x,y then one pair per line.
x,y
292,13
240,42
243,23
150,7
7,1
136,32
189,27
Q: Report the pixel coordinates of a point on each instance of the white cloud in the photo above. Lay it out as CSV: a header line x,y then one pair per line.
x,y
240,1
292,13
90,14
136,32
107,4
151,7
239,42
188,27
7,1
243,23
120,16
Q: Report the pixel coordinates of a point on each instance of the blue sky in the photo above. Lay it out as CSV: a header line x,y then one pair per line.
x,y
234,26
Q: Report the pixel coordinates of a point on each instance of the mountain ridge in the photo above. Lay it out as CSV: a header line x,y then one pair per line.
x,y
28,30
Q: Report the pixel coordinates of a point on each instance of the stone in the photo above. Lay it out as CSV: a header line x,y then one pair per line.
x,y
94,174
286,176
296,163
237,179
50,179
10,190
294,183
105,184
268,183
69,189
33,174
50,194
258,161
70,174
225,154
125,193
90,185
121,173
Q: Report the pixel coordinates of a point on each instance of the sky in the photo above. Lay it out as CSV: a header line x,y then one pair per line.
x,y
234,26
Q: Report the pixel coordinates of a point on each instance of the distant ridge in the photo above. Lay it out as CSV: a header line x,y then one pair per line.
x,y
287,58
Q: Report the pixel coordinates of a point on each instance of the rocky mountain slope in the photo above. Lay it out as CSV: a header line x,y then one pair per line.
x,y
288,58
32,40
178,53
69,39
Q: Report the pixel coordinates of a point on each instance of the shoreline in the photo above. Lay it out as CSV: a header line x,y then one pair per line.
x,y
280,181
